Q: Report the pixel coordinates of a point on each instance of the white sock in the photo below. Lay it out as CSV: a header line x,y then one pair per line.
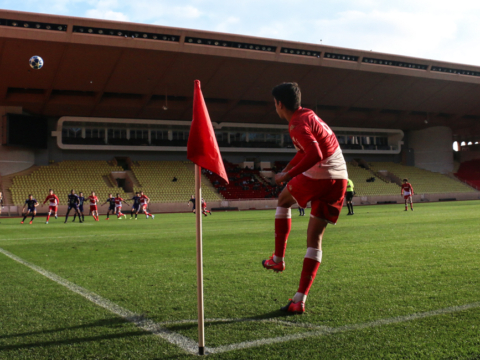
x,y
278,259
299,297
314,254
283,213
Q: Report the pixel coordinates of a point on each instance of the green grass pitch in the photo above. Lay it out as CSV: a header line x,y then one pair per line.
x,y
379,267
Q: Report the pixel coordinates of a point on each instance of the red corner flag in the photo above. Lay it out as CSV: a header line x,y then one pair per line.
x,y
202,147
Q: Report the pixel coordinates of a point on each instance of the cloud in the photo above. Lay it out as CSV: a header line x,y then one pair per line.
x,y
106,15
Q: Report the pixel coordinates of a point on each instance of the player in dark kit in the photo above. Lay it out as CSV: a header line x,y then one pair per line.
x,y
73,202
135,205
111,205
192,200
317,173
81,200
30,204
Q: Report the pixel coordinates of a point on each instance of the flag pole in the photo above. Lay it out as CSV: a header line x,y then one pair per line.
x,y
198,215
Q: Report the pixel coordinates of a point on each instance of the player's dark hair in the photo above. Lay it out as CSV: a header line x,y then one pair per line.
x,y
289,95
405,180
117,194
30,195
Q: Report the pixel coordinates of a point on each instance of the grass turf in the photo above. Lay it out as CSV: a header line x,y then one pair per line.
x,y
380,263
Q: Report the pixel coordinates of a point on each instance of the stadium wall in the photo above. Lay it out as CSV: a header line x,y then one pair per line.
x,y
433,148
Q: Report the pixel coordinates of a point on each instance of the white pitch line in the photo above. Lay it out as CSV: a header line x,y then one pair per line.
x,y
328,331
181,341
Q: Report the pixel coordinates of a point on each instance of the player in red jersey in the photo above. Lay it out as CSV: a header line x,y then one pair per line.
x,y
53,202
144,201
204,208
93,205
317,173
118,207
407,192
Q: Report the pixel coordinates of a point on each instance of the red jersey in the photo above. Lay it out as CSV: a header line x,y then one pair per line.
x,y
305,128
144,199
204,204
53,200
118,201
93,200
407,189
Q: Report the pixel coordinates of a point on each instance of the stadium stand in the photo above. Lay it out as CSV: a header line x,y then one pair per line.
x,y
155,179
244,183
423,181
379,186
469,172
86,176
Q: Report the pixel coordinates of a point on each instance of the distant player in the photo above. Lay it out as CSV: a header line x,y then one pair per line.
x,y
301,211
192,200
93,205
118,207
349,196
1,202
30,205
53,202
317,173
73,202
144,201
407,192
135,205
204,208
81,200
111,205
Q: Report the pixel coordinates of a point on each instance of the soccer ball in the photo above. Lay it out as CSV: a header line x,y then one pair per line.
x,y
36,62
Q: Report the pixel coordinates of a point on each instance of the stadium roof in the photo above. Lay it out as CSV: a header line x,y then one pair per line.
x,y
115,69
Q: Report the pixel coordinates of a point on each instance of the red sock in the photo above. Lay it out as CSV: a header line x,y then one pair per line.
x,y
282,230
148,214
309,271
48,217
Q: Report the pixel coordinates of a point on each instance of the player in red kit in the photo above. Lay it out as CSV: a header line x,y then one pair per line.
x,y
144,201
407,192
204,208
118,207
93,205
53,202
317,173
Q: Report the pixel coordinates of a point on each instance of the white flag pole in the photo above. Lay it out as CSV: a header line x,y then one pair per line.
x,y
198,215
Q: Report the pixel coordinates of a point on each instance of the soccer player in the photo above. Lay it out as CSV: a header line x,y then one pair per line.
x,y
31,205
93,205
349,196
1,202
53,202
145,200
204,208
73,202
192,200
111,205
135,205
118,207
317,173
81,200
301,211
407,192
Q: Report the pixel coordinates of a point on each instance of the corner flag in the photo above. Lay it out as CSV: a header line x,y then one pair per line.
x,y
202,149
202,146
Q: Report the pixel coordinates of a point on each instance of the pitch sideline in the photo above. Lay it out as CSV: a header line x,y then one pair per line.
x,y
190,346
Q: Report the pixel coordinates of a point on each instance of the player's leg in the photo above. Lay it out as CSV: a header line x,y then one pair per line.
x,y
34,212
311,263
411,202
48,215
406,206
83,216
25,216
283,224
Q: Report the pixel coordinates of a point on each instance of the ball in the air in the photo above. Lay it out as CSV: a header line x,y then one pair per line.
x,y
36,62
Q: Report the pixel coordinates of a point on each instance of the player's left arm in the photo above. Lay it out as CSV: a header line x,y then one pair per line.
x,y
313,155
36,203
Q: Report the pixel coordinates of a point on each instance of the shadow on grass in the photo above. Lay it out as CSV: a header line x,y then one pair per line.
x,y
210,323
101,323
